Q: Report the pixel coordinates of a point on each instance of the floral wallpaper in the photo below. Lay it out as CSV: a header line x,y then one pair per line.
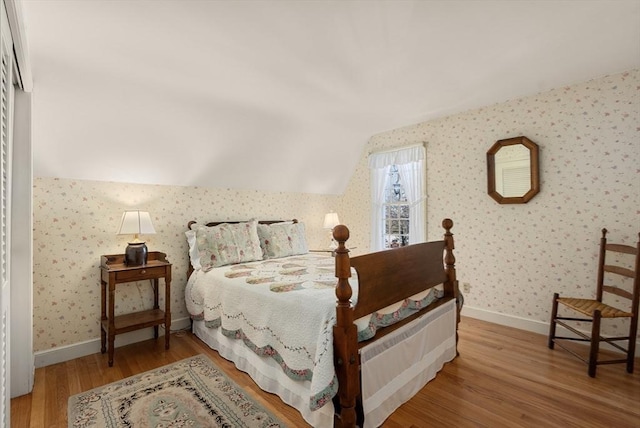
x,y
516,256
513,256
75,222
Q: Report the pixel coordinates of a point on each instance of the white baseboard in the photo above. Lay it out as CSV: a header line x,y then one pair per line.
x,y
508,320
81,349
514,321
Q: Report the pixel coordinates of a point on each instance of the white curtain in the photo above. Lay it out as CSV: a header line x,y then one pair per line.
x,y
379,178
411,177
411,168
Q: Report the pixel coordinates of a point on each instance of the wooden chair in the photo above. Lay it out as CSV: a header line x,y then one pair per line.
x,y
596,309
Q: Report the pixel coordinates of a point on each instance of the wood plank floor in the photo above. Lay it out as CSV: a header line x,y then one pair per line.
x,y
504,377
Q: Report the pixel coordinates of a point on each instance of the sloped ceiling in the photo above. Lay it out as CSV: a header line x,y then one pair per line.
x,y
283,95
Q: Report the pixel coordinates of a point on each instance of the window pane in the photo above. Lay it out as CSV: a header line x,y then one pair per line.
x,y
387,227
396,212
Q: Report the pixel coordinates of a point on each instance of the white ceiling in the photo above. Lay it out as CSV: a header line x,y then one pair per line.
x,y
283,95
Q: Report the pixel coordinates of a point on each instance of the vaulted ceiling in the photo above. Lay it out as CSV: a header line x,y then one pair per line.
x,y
283,95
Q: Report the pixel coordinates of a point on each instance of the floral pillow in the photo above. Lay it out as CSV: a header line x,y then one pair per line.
x,y
247,242
282,239
227,243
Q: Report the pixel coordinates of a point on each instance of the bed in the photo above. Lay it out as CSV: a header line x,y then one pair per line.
x,y
358,346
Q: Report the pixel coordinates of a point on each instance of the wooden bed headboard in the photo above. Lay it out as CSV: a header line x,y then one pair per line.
x,y
216,223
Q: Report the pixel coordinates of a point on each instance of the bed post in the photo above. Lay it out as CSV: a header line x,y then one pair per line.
x,y
345,334
451,286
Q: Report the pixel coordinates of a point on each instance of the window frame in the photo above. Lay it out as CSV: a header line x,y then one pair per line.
x,y
411,163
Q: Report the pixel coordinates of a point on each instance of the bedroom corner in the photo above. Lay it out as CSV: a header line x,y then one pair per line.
x,y
75,222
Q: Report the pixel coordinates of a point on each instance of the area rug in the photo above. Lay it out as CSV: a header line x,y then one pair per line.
x,y
190,393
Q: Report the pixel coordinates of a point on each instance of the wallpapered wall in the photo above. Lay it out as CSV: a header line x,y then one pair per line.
x,y
515,256
75,222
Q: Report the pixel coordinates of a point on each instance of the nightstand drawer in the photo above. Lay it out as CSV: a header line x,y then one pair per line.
x,y
140,274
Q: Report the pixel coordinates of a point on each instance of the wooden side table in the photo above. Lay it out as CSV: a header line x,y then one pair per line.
x,y
113,272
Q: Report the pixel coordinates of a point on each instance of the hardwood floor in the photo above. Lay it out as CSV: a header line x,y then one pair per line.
x,y
504,377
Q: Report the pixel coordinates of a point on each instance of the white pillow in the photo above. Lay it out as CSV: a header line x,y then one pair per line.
x,y
194,255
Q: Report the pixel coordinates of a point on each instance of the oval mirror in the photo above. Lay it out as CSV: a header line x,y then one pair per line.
x,y
512,166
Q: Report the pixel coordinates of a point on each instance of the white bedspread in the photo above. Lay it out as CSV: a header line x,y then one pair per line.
x,y
283,310
259,302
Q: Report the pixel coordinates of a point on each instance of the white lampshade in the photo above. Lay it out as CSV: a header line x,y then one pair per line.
x,y
331,220
136,222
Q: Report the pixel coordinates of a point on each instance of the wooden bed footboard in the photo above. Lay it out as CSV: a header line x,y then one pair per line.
x,y
384,278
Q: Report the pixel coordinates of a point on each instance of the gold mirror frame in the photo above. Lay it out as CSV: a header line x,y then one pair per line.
x,y
534,174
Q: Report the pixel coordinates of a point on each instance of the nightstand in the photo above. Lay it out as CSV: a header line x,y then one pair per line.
x,y
113,272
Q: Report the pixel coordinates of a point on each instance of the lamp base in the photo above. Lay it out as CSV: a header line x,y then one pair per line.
x,y
136,254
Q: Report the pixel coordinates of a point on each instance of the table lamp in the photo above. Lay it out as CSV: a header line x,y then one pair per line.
x,y
135,223
331,220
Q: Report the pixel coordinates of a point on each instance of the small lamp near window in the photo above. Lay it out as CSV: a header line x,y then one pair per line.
x,y
331,220
136,223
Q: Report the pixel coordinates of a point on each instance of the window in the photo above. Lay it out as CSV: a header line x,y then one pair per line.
x,y
398,207
396,212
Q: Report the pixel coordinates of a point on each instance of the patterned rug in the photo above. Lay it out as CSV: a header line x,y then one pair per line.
x,y
190,393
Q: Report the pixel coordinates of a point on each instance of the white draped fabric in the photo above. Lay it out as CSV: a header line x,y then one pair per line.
x,y
379,178
399,365
411,175
410,162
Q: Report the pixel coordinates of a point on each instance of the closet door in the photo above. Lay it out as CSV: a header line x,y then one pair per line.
x,y
6,121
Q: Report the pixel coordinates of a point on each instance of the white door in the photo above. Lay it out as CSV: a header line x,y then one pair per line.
x,y
6,121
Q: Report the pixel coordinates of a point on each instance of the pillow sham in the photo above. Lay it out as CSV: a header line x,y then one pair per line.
x,y
227,243
215,246
282,239
247,242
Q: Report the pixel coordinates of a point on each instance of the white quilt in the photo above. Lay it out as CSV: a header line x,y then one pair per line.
x,y
282,308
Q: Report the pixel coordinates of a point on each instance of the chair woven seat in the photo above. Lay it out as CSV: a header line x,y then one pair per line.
x,y
587,306
617,273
